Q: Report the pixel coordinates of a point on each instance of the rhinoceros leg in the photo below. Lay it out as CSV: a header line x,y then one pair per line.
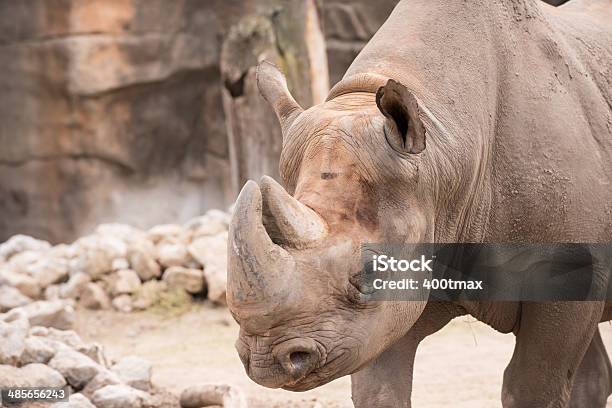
x,y
386,382
593,381
550,343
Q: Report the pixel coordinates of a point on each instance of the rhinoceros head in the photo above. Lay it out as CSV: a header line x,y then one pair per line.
x,y
351,169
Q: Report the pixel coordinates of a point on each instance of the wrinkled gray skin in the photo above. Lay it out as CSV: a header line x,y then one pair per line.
x,y
496,126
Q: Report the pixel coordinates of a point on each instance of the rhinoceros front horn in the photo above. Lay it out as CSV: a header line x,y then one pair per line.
x,y
258,269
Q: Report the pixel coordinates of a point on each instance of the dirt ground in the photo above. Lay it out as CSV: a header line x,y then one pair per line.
x,y
461,366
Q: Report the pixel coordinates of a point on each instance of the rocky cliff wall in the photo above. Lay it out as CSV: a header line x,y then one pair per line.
x,y
110,110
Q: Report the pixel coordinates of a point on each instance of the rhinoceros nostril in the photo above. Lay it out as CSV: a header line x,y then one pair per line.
x,y
299,360
298,363
298,357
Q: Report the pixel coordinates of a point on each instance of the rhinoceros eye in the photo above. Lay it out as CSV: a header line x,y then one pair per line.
x,y
361,282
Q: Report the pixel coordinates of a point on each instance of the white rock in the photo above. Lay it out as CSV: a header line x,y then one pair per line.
x,y
134,371
101,380
77,368
36,351
172,254
126,282
122,231
48,270
212,394
20,243
164,231
63,339
142,256
31,375
94,262
120,263
68,337
50,313
11,298
77,400
63,251
73,288
119,396
56,345
27,285
149,294
192,280
95,351
206,225
96,254
123,303
14,328
211,253
94,297
52,292
39,331
19,262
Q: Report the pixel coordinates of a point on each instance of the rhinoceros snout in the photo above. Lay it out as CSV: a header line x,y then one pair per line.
x,y
284,365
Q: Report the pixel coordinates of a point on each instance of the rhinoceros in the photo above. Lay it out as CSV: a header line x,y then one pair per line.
x,y
481,121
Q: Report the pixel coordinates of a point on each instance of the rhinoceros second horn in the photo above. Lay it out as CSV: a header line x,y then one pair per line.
x,y
288,221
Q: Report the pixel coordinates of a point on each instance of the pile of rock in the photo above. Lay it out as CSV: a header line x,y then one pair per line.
x,y
38,356
117,266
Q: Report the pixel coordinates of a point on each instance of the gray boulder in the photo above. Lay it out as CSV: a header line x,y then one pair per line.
x,y
68,337
77,400
77,368
94,297
11,298
36,351
50,313
52,292
212,223
123,303
20,243
134,371
126,282
191,280
163,231
48,270
14,329
27,285
73,288
31,375
211,253
119,396
62,339
142,256
212,394
172,254
101,380
96,254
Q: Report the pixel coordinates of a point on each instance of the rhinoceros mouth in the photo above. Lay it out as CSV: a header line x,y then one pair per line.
x,y
311,381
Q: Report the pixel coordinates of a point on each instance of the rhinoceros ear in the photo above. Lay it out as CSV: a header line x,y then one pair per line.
x,y
273,87
401,109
